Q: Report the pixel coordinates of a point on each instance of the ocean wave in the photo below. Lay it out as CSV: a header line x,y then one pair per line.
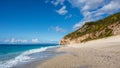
x,y
23,57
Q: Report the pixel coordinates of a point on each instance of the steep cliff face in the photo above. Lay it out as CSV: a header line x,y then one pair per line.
x,y
94,30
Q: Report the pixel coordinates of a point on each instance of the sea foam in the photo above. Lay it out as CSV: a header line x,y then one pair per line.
x,y
23,57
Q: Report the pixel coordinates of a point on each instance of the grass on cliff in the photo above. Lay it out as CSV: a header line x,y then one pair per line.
x,y
94,27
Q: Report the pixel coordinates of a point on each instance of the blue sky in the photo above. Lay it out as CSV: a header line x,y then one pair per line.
x,y
40,21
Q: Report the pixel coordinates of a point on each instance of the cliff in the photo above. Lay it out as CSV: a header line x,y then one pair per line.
x,y
106,27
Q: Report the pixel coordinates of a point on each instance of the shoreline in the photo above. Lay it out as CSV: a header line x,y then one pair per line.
x,y
101,53
49,53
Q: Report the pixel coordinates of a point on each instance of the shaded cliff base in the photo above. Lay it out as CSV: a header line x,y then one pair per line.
x,y
102,53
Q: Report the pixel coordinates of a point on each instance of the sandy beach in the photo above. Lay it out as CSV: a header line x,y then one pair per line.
x,y
102,53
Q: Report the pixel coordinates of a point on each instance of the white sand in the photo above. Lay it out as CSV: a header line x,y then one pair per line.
x,y
102,53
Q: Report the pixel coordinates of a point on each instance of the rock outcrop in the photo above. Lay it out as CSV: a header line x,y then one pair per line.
x,y
94,30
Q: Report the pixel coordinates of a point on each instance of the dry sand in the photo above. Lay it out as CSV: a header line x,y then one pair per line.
x,y
102,53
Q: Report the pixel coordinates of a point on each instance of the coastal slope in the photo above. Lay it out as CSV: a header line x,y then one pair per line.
x,y
106,27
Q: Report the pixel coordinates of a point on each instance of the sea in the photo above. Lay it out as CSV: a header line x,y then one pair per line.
x,y
13,55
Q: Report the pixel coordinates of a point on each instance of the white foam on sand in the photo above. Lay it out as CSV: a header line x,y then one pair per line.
x,y
23,57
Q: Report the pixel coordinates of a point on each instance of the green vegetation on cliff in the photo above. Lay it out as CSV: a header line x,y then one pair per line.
x,y
97,29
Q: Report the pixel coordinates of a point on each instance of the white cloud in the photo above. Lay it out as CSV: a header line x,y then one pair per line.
x,y
78,25
109,8
86,5
22,41
13,40
58,2
35,40
57,29
93,10
69,16
62,11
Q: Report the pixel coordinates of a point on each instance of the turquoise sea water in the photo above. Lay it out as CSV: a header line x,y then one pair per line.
x,y
13,54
